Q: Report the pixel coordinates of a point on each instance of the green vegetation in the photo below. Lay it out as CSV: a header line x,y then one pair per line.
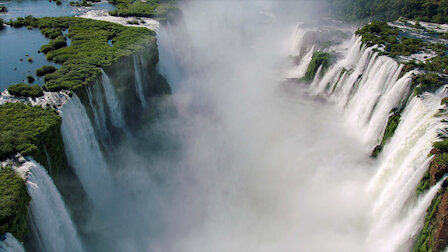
x,y
427,82
437,64
392,124
3,8
83,3
424,184
23,128
319,59
425,238
424,10
30,79
54,45
160,9
2,23
382,34
47,69
25,90
14,200
134,8
89,49
378,33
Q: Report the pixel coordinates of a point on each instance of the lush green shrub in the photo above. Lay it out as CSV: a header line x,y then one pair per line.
x,y
423,10
382,34
47,69
319,59
137,8
30,79
427,82
25,90
54,45
438,64
26,21
424,184
22,124
14,200
442,145
392,124
3,8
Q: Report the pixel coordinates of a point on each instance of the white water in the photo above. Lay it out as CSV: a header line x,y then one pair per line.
x,y
138,80
255,164
54,227
97,104
112,101
367,90
83,151
10,244
366,87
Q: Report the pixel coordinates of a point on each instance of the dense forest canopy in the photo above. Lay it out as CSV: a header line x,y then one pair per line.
x,y
424,10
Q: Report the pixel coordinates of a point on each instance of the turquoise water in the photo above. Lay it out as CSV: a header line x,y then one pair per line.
x,y
44,8
16,44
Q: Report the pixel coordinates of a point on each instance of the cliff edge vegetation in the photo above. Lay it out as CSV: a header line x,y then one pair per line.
x,y
32,130
93,44
435,11
14,200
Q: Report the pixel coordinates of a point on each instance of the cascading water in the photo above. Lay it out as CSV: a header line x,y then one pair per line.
x,y
112,101
401,167
138,80
83,151
9,243
96,101
51,222
257,164
367,87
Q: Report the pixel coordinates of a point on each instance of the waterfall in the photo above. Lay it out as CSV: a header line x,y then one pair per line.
x,y
401,166
112,101
83,151
302,52
53,226
400,234
138,81
367,87
96,101
9,243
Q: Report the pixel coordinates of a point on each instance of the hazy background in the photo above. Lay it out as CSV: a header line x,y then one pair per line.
x,y
247,161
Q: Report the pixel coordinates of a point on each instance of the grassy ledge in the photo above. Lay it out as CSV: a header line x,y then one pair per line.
x,y
319,59
159,9
392,124
89,49
385,36
424,10
32,130
433,235
14,200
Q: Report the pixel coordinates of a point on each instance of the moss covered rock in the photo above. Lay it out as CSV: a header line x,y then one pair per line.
x,y
32,131
319,59
14,200
392,124
25,90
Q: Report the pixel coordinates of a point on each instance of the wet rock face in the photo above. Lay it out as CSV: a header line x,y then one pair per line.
x,y
437,171
441,234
